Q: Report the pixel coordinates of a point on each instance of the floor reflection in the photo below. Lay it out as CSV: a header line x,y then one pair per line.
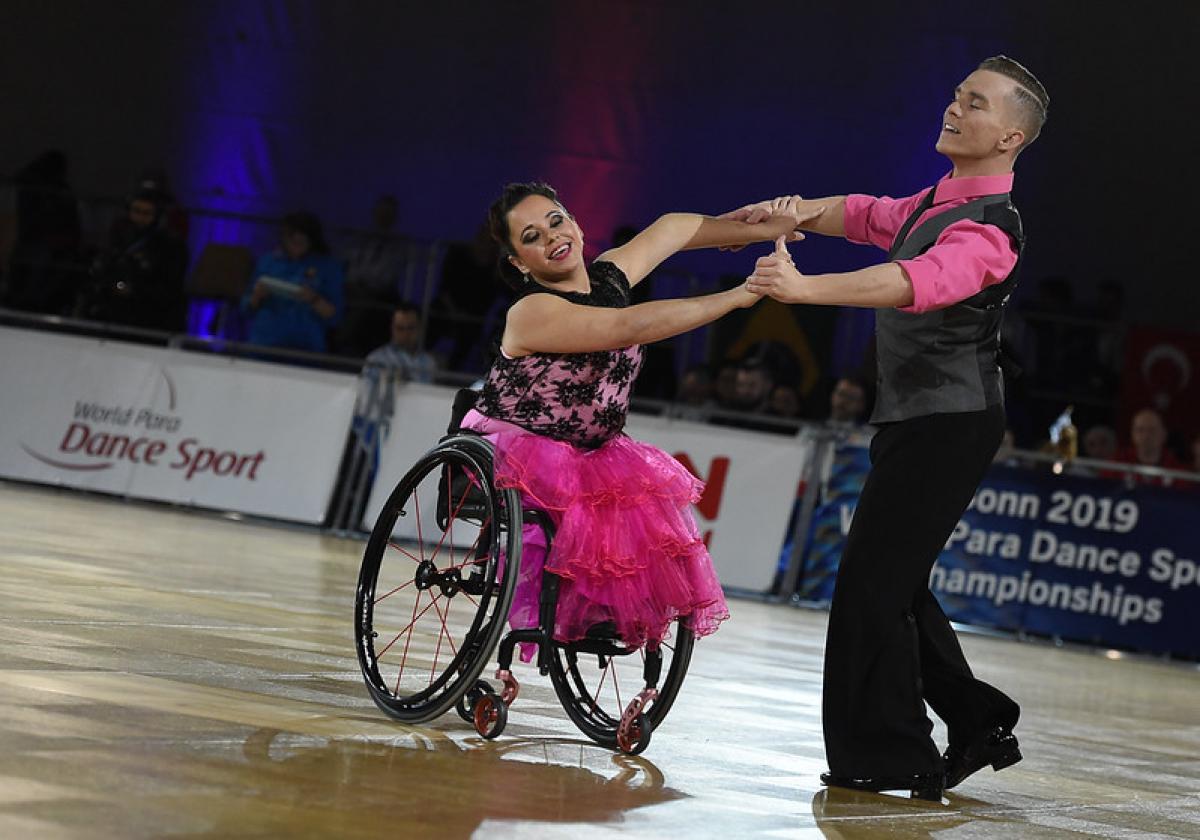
x,y
843,814
426,783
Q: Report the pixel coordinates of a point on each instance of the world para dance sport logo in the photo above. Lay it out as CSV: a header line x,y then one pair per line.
x,y
140,438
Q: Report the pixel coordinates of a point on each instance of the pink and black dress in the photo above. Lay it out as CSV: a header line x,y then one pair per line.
x,y
626,544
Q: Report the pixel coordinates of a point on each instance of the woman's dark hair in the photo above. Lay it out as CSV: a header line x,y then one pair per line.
x,y
302,221
513,195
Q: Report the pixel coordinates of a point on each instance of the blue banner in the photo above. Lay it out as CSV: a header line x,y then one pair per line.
x,y
1079,558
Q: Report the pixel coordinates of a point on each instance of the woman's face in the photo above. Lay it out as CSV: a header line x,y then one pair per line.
x,y
545,239
295,244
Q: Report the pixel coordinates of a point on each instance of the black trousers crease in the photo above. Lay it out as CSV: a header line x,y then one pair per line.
x,y
890,649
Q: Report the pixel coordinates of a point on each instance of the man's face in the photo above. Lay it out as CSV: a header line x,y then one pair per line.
x,y
1148,432
141,212
750,387
982,119
406,328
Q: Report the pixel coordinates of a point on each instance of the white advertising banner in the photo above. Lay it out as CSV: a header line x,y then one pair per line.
x,y
751,478
156,423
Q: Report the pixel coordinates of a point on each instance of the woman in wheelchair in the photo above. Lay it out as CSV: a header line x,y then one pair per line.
x,y
626,565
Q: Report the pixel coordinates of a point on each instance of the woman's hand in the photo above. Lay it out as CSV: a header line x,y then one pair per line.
x,y
778,213
743,298
776,276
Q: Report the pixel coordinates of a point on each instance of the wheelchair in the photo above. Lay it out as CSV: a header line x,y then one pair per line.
x,y
433,597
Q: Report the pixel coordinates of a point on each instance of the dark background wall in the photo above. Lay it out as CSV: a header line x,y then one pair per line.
x,y
630,108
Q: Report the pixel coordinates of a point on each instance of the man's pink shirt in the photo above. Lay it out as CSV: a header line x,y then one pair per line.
x,y
967,257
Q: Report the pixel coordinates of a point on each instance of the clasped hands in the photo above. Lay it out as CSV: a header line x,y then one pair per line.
x,y
775,275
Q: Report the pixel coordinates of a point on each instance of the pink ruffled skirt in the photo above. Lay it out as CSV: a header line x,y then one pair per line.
x,y
626,544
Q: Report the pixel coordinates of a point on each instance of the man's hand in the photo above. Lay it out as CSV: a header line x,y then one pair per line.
x,y
776,276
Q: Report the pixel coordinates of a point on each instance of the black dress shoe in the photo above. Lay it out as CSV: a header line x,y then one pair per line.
x,y
997,747
920,786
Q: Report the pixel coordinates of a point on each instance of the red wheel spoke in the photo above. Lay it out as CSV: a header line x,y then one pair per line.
x,y
412,557
407,642
617,688
445,631
450,524
600,687
393,592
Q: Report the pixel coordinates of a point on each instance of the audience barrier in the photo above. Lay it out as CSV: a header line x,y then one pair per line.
x,y
1101,560
1042,550
170,425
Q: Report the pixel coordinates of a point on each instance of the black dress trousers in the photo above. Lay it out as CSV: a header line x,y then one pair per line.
x,y
890,649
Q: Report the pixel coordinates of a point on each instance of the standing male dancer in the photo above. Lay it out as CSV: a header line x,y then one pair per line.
x,y
954,252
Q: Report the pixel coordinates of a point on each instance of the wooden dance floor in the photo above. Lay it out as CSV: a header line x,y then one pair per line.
x,y
171,674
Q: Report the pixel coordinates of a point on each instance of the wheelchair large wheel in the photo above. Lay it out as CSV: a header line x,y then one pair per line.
x,y
436,581
596,689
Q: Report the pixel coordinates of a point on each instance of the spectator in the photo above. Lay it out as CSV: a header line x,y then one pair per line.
x,y
847,402
752,385
375,261
400,360
175,218
374,265
138,280
297,295
45,269
466,292
784,401
693,398
725,385
1148,447
1100,442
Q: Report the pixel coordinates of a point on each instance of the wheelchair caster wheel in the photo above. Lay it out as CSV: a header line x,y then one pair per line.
x,y
490,715
466,704
633,735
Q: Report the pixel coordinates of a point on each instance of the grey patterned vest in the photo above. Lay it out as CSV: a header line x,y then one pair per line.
x,y
945,361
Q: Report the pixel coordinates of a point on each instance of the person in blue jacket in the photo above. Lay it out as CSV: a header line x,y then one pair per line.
x,y
297,293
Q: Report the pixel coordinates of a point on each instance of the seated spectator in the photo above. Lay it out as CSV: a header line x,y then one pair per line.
x,y
375,260
374,266
693,398
138,280
1148,448
784,401
400,360
725,385
467,289
297,294
752,385
1100,442
847,403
